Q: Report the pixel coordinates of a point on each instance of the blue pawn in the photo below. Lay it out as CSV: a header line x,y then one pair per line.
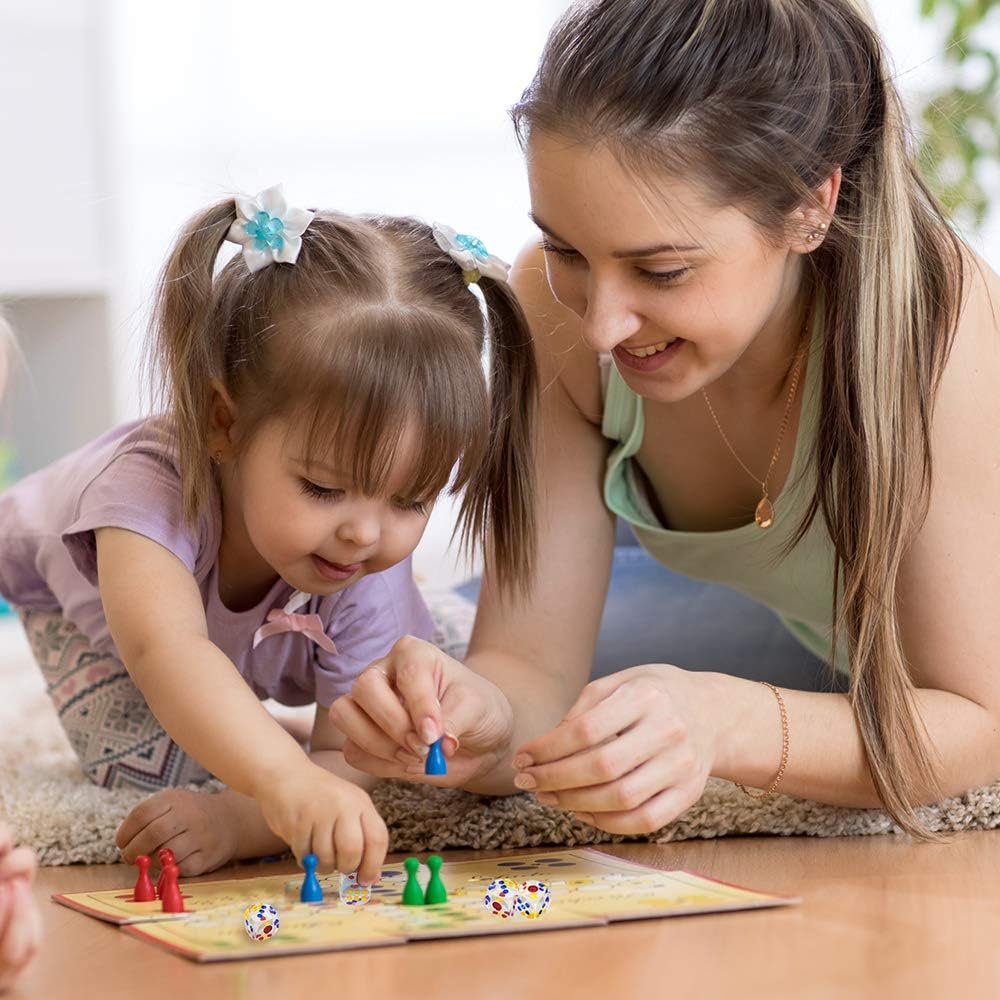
x,y
435,763
312,892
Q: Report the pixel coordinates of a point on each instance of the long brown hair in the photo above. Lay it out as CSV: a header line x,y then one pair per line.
x,y
371,332
763,100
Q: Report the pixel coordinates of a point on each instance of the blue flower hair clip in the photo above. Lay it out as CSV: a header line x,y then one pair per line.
x,y
470,254
268,228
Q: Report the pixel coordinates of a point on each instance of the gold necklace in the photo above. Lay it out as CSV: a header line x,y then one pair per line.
x,y
764,514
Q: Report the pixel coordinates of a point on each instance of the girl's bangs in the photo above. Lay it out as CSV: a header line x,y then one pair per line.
x,y
397,384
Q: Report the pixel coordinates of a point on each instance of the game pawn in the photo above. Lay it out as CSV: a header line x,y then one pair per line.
x,y
435,762
173,901
436,892
144,891
413,895
312,891
165,857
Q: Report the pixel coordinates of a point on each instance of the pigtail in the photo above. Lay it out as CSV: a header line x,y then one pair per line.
x,y
499,505
187,348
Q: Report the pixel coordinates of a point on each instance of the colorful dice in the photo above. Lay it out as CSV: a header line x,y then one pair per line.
x,y
352,893
532,899
501,897
261,921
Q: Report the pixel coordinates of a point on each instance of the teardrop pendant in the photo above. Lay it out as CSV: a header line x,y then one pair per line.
x,y
764,514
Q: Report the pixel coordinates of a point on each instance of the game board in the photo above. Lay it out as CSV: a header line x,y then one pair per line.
x,y
589,888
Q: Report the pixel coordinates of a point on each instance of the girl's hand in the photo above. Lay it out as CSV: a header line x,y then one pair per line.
x,y
633,752
407,700
316,812
20,922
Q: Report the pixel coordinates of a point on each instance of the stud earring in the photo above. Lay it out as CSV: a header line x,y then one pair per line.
x,y
217,458
815,234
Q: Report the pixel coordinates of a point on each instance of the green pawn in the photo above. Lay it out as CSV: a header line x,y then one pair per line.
x,y
436,892
413,895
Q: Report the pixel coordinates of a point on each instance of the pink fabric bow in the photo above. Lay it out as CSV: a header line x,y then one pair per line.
x,y
283,620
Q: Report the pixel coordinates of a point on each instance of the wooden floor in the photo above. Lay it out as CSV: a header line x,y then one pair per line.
x,y
880,917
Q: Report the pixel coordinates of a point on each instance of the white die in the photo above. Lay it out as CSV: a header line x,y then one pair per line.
x,y
501,897
352,893
261,921
533,899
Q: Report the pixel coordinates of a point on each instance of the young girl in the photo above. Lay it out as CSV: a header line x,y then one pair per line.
x,y
798,340
254,541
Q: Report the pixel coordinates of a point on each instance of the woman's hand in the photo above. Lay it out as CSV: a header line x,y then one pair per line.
x,y
633,752
314,811
407,700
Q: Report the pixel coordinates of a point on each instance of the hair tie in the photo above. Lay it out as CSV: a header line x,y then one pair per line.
x,y
268,228
471,255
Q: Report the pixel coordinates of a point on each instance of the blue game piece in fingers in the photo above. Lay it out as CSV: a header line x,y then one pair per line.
x,y
435,763
312,891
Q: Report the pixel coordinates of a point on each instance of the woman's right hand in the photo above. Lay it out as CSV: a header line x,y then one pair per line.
x,y
411,697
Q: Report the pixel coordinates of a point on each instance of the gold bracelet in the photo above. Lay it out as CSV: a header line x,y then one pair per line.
x,y
784,749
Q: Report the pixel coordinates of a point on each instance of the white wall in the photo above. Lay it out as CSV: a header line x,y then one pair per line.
x,y
390,106
127,117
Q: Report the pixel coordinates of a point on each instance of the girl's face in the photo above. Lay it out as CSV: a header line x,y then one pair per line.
x,y
677,289
310,523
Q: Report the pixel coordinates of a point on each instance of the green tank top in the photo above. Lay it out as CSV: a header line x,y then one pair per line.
x,y
797,587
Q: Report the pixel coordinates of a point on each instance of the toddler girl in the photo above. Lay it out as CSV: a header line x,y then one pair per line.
x,y
253,540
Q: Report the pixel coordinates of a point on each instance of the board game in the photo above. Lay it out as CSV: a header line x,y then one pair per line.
x,y
588,888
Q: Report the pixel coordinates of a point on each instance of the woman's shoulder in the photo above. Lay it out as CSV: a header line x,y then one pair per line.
x,y
563,356
975,353
967,405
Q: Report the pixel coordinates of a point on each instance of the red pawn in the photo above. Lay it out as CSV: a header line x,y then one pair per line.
x,y
173,902
144,891
166,857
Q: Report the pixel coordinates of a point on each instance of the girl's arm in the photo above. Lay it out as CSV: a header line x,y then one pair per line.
x,y
157,620
155,613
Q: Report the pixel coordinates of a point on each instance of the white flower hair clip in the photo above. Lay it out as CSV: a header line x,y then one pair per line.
x,y
470,254
268,228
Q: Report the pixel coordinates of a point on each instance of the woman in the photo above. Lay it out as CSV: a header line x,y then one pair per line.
x,y
797,342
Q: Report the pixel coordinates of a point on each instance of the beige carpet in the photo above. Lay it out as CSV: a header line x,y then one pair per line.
x,y
53,808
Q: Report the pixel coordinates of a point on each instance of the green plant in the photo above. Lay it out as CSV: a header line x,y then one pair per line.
x,y
960,123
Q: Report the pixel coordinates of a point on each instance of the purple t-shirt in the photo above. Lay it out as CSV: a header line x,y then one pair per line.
x,y
128,478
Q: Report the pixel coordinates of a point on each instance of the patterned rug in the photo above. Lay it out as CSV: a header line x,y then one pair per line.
x,y
53,808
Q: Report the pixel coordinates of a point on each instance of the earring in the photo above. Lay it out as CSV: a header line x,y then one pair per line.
x,y
816,233
217,458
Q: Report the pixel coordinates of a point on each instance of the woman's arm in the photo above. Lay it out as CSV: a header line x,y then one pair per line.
x,y
948,595
532,658
539,652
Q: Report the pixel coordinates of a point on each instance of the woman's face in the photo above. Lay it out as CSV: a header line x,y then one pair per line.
x,y
678,289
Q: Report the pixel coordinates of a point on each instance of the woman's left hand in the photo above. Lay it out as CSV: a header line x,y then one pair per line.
x,y
633,752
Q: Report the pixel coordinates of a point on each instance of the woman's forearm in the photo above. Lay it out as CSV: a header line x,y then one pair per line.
x,y
539,702
826,758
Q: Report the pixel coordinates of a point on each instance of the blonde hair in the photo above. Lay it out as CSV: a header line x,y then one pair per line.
x,y
764,100
372,331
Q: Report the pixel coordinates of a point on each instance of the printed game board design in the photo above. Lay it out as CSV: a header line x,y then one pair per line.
x,y
589,888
